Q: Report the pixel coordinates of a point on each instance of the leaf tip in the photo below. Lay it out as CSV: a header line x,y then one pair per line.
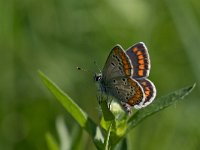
x,y
191,88
40,73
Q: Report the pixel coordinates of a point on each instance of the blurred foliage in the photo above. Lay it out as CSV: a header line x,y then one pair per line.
x,y
58,35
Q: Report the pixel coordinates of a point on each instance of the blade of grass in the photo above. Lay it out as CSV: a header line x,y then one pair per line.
x,y
158,105
76,112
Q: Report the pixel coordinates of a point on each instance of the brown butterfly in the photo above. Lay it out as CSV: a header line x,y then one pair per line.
x,y
124,77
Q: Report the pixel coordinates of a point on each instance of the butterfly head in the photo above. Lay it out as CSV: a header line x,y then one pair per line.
x,y
97,77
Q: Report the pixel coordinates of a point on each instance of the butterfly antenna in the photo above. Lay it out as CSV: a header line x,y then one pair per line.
x,y
85,70
97,66
78,68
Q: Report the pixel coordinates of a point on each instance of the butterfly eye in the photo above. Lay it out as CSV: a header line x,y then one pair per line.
x,y
97,77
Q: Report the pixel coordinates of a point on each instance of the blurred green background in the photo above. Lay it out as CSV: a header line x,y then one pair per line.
x,y
55,36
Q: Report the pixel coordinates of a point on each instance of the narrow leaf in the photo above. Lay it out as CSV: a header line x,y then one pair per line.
x,y
51,142
107,143
158,105
65,100
76,112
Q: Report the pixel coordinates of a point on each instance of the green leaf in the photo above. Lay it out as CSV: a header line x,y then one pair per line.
x,y
158,105
51,142
122,145
76,112
107,143
119,124
107,116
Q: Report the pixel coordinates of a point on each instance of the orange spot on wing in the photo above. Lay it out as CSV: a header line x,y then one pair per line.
x,y
130,102
116,51
123,57
147,93
141,66
140,57
141,62
124,62
144,83
140,72
121,54
135,49
126,66
139,53
127,72
147,88
133,83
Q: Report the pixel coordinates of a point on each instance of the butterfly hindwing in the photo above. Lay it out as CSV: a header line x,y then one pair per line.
x,y
139,57
149,91
127,90
117,64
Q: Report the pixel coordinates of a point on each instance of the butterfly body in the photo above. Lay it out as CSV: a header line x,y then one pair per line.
x,y
124,77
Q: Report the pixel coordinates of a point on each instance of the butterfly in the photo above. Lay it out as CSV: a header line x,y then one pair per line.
x,y
124,77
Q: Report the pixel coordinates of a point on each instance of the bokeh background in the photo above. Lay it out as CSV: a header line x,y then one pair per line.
x,y
55,36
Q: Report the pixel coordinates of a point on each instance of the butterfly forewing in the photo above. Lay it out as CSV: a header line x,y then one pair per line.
x,y
117,64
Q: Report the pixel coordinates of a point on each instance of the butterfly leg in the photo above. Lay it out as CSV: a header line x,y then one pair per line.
x,y
99,98
109,103
126,107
